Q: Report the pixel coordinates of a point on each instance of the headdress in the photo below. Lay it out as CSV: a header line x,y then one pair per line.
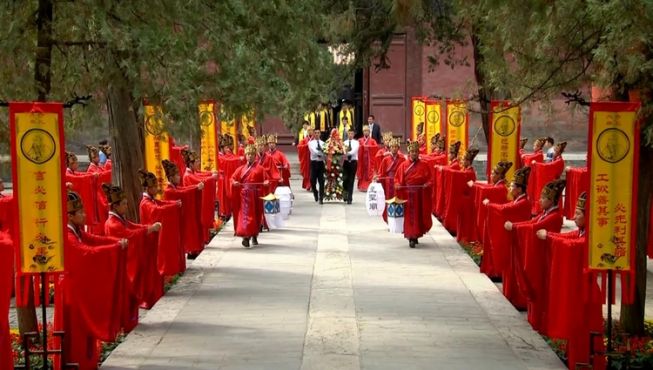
x,y
442,142
413,145
169,168
74,203
394,142
272,138
420,128
502,168
92,151
580,203
189,156
387,136
250,149
454,148
521,177
147,178
470,154
522,142
70,156
434,139
553,190
561,146
261,140
540,141
113,193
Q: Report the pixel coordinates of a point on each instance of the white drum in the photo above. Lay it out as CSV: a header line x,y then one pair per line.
x,y
375,199
285,196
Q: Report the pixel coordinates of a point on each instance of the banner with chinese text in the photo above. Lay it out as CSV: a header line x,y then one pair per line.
x,y
504,136
433,121
418,117
208,136
38,165
612,205
229,127
157,145
248,124
457,124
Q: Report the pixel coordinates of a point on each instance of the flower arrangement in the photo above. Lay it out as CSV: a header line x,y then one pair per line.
x,y
333,188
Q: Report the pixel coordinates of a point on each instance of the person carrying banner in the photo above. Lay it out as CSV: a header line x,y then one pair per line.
x,y
248,183
413,184
280,160
529,253
145,283
366,154
88,299
190,196
171,259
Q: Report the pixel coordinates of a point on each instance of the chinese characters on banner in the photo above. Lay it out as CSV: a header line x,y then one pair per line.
x,y
37,143
504,136
433,121
418,117
208,133
157,145
614,154
457,125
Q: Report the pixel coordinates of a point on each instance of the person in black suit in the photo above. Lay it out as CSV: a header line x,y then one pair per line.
x,y
375,129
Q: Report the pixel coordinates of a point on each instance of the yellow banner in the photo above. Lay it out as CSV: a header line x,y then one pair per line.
x,y
457,124
310,117
433,121
230,127
418,108
612,202
157,145
208,134
37,152
248,125
504,136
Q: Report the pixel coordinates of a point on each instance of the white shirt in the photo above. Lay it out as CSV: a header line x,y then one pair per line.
x,y
352,155
316,155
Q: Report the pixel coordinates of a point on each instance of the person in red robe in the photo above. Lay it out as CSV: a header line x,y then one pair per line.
x,y
6,286
227,164
94,160
305,157
537,155
577,182
497,258
248,183
103,176
108,165
472,212
145,283
522,146
421,139
366,153
266,161
545,172
574,307
7,205
89,296
413,184
86,185
383,151
388,170
280,160
457,192
194,176
190,196
529,253
171,258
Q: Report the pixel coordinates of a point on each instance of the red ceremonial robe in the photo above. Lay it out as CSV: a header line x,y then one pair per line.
x,y
496,194
104,177
266,161
574,306
176,157
366,153
171,258
86,185
6,285
207,199
441,187
542,174
7,205
387,172
497,245
89,296
228,165
457,194
578,181
282,165
192,235
467,229
108,165
146,283
531,262
94,168
528,158
247,202
413,182
304,163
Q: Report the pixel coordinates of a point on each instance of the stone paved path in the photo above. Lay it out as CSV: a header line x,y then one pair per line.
x,y
333,290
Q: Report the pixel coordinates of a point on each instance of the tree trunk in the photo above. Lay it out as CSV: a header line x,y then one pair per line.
x,y
483,94
128,140
27,321
632,315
